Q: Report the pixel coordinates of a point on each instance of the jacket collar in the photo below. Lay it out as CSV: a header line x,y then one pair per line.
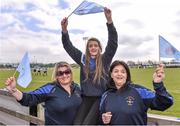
x,y
113,87
72,86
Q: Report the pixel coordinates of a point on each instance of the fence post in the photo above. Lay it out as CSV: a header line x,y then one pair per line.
x,y
33,112
40,111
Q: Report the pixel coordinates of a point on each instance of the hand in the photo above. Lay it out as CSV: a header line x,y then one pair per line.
x,y
64,24
11,87
106,117
108,15
10,84
159,74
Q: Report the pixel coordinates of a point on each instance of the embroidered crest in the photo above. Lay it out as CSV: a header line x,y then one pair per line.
x,y
130,100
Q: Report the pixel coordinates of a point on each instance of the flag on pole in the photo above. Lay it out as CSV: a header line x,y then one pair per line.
x,y
87,7
24,70
167,50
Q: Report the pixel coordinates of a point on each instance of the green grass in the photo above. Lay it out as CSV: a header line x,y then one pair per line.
x,y
37,80
172,84
139,76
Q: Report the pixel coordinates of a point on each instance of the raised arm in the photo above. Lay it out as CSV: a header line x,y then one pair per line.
x,y
163,99
74,53
159,74
160,99
112,44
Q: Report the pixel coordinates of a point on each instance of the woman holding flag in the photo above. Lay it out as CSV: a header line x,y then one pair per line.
x,y
135,99
62,97
93,69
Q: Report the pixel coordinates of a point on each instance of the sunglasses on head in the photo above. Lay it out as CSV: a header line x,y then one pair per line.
x,y
61,73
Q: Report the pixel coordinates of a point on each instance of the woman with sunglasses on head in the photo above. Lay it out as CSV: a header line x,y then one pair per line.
x,y
93,69
125,103
62,97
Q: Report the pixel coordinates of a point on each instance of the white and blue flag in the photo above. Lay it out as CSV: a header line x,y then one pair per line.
x,y
24,70
87,7
167,50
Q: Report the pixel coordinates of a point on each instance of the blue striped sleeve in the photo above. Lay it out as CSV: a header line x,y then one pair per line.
x,y
158,100
145,93
43,90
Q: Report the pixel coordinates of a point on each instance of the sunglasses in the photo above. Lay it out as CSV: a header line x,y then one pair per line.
x,y
61,73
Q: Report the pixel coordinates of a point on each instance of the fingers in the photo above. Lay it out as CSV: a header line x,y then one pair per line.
x,y
64,21
160,69
64,24
108,15
108,113
161,65
106,117
107,11
158,78
9,81
159,73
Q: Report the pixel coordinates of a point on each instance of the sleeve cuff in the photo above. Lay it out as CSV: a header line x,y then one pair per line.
x,y
158,86
111,24
64,33
22,100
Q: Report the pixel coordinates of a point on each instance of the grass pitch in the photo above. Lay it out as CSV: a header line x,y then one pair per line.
x,y
139,76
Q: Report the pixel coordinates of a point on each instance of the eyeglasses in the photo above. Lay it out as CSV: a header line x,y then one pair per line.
x,y
61,73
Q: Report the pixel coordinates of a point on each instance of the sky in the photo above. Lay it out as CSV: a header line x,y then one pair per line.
x,y
34,26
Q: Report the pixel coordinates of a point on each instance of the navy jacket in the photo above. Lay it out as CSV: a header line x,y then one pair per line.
x,y
60,107
129,105
87,86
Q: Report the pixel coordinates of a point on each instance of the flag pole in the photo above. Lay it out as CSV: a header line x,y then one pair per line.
x,y
15,73
75,9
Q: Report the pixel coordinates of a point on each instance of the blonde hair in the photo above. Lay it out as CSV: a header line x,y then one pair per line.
x,y
57,66
99,66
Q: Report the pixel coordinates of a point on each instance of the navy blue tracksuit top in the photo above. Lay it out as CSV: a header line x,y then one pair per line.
x,y
129,105
60,106
87,86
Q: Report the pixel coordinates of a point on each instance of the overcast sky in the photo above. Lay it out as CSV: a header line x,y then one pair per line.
x,y
34,26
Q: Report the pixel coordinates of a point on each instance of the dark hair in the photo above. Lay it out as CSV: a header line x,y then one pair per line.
x,y
114,64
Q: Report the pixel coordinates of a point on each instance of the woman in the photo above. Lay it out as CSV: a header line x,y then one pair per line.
x,y
125,103
62,97
93,69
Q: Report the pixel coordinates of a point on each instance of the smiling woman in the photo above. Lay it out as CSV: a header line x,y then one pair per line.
x,y
135,99
94,67
62,97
